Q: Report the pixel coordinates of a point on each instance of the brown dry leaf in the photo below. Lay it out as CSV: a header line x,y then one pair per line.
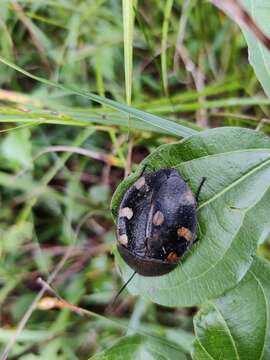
x,y
238,14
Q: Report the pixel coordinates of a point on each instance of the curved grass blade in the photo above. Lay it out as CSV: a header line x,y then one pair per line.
x,y
169,126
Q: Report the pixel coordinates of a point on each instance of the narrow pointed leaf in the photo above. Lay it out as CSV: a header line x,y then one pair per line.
x,y
171,127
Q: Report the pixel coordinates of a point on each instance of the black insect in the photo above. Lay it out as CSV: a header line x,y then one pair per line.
x,y
156,222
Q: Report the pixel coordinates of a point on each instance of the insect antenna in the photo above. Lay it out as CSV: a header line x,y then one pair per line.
x,y
200,188
123,287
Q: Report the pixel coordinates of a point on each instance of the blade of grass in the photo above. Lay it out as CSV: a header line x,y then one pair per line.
x,y
99,75
31,336
128,28
54,170
213,89
33,31
211,104
83,118
165,28
171,127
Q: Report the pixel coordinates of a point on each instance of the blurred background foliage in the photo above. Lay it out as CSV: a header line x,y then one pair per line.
x,y
54,197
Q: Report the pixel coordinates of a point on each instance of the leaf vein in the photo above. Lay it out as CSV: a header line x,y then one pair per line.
x,y
267,311
242,178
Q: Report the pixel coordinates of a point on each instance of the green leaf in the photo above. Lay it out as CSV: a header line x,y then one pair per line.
x,y
31,336
99,194
233,213
11,239
259,56
16,148
236,326
138,347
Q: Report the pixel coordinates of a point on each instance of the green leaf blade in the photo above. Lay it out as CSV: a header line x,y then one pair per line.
x,y
232,214
236,326
171,127
140,348
259,56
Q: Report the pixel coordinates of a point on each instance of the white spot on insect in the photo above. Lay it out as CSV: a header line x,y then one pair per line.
x,y
126,212
188,198
139,183
123,239
158,218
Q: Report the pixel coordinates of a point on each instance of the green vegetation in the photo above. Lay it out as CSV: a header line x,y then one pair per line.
x,y
87,90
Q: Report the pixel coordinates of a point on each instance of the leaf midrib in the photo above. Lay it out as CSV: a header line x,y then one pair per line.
x,y
235,183
204,349
227,249
267,311
220,259
227,329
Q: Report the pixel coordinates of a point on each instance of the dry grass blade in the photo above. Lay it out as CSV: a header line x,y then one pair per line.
x,y
106,158
236,12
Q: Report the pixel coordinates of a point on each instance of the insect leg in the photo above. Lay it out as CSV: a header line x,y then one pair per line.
x,y
123,287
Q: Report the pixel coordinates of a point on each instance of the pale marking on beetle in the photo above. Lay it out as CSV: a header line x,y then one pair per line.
x,y
158,218
139,183
188,198
172,257
185,233
123,239
163,249
126,212
148,229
